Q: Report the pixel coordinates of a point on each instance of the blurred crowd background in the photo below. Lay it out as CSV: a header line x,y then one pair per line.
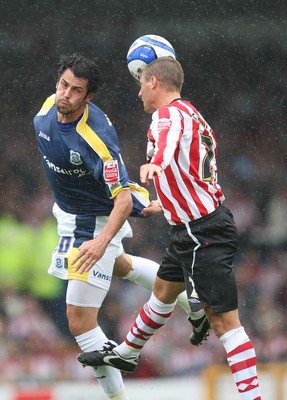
x,y
234,58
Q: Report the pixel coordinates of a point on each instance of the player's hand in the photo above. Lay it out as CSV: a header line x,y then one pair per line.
x,y
152,208
148,171
89,253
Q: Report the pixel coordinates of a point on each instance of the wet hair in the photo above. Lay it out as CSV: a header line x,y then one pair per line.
x,y
83,68
168,71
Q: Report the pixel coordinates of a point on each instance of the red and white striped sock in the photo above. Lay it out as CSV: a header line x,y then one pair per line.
x,y
152,316
241,358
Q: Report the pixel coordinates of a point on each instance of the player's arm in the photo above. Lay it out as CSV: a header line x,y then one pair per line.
x,y
92,250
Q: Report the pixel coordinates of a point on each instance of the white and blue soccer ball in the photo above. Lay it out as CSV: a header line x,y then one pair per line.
x,y
144,50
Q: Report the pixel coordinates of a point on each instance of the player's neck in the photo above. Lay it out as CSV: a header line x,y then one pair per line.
x,y
168,98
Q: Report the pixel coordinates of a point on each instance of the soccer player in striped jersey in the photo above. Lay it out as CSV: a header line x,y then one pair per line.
x,y
93,198
182,152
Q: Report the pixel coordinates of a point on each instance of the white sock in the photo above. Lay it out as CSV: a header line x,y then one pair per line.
x,y
241,358
121,395
153,315
234,338
143,272
108,377
92,340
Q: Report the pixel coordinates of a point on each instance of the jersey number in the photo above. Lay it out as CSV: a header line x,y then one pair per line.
x,y
207,174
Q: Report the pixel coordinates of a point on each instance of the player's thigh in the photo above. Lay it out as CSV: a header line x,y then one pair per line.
x,y
83,303
169,282
213,262
83,294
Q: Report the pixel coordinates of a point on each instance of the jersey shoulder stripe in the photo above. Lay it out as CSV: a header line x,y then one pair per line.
x,y
91,137
46,107
140,193
141,199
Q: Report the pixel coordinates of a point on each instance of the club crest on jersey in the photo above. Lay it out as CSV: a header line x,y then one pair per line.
x,y
164,124
75,158
111,171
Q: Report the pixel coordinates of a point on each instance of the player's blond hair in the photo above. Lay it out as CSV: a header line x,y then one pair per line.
x,y
168,71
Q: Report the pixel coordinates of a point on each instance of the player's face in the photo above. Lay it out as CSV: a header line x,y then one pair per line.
x,y
71,96
146,94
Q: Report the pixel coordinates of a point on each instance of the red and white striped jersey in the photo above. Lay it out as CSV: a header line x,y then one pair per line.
x,y
184,146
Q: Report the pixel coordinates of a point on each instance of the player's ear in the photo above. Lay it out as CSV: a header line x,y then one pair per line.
x,y
89,96
153,80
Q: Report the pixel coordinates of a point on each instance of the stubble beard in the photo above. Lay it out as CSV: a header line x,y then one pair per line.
x,y
64,110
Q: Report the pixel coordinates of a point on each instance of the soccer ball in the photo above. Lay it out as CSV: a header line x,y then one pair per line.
x,y
146,49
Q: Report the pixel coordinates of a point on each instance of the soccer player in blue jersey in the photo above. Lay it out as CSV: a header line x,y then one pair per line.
x,y
93,198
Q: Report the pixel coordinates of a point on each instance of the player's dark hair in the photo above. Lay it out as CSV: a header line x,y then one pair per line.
x,y
82,67
167,70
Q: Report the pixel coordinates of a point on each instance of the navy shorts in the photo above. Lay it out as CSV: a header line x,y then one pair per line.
x,y
201,255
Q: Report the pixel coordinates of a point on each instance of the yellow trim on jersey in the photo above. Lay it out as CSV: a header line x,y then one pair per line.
x,y
72,274
92,138
47,105
115,192
140,193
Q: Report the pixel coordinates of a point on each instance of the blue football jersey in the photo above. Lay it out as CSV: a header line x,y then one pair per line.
x,y
82,160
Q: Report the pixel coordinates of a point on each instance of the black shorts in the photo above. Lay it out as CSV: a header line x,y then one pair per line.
x,y
201,255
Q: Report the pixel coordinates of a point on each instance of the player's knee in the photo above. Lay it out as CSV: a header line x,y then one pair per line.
x,y
122,265
80,320
73,321
223,322
165,291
